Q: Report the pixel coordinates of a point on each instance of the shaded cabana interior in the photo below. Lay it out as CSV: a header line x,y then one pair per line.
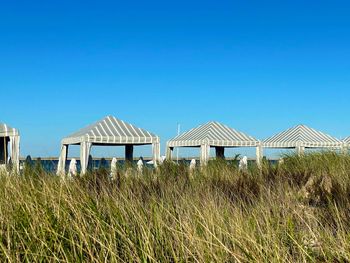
x,y
109,131
300,138
212,134
9,135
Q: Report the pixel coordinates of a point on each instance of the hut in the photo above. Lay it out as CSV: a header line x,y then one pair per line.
x,y
109,131
9,135
301,137
212,134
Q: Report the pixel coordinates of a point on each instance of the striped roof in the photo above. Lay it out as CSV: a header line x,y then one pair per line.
x,y
347,140
111,130
6,130
214,134
301,135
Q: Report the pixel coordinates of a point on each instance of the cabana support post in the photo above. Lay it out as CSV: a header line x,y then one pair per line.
x,y
169,151
129,151
204,154
5,150
156,153
346,145
259,154
85,148
63,158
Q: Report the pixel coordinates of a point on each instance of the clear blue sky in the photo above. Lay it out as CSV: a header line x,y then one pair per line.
x,y
257,66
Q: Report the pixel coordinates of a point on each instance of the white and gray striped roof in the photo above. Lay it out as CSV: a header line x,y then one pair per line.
x,y
111,130
301,135
347,140
214,134
6,130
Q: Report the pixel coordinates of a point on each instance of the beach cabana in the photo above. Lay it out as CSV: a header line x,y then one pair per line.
x,y
301,137
212,134
109,131
9,135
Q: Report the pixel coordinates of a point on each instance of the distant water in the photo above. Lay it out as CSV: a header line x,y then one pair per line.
x,y
51,165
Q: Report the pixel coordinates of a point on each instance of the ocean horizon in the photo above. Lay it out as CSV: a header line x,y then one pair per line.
x,y
50,163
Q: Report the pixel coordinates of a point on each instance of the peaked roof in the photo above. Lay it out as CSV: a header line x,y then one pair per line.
x,y
301,135
214,134
347,140
111,130
6,130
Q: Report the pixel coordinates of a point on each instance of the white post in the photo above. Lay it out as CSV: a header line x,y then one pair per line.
x,y
84,155
177,148
169,153
344,149
259,154
155,153
62,160
14,147
300,150
204,154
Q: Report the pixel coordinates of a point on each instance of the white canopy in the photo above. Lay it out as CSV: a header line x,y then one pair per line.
x,y
9,134
301,137
212,134
108,131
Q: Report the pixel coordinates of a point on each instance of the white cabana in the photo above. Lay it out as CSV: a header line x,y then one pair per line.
x,y
8,134
212,134
301,137
108,132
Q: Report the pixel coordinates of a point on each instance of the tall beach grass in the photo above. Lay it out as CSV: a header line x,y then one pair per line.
x,y
295,211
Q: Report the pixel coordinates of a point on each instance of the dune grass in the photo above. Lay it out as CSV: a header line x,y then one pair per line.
x,y
297,211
